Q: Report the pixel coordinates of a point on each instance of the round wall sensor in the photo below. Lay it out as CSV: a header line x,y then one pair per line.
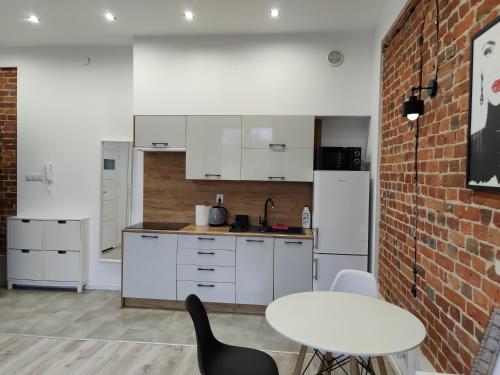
x,y
336,57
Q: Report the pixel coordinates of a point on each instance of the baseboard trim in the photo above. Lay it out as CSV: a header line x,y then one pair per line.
x,y
98,286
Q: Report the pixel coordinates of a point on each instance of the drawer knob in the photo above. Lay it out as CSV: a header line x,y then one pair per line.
x,y
276,178
206,253
205,269
206,239
260,241
206,285
145,236
293,242
160,144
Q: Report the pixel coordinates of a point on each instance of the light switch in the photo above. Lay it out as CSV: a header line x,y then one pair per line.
x,y
219,197
34,177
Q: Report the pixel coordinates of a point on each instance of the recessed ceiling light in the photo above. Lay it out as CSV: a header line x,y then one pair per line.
x,y
275,13
110,16
189,15
33,19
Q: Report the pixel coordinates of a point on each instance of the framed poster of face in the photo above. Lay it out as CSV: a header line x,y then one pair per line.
x,y
483,172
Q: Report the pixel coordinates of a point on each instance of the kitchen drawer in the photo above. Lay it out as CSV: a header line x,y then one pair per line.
x,y
63,235
207,291
206,257
62,265
160,131
207,242
274,165
25,264
191,272
25,234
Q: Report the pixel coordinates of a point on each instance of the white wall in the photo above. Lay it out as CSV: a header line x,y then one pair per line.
x,y
253,74
391,11
65,109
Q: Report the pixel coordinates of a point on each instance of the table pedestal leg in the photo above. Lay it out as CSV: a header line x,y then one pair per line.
x,y
353,362
381,366
300,360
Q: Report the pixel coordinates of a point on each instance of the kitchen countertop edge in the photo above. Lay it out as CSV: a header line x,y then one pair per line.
x,y
222,231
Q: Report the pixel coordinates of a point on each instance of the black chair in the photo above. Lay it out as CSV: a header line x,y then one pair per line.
x,y
216,358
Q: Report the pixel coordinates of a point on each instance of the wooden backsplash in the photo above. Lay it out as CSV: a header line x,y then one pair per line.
x,y
169,197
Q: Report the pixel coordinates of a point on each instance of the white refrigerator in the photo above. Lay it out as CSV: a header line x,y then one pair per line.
x,y
340,224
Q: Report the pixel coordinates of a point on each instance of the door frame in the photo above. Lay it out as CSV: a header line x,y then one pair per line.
x,y
129,189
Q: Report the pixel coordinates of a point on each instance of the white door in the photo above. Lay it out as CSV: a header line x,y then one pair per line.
x,y
213,147
340,216
110,185
327,266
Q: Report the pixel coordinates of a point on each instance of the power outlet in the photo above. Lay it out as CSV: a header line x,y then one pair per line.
x,y
219,197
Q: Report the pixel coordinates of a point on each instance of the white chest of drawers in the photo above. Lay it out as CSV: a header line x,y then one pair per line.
x,y
47,252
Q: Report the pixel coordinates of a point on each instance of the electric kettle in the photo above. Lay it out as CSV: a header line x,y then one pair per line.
x,y
217,216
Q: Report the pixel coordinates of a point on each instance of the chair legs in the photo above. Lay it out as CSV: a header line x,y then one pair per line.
x,y
300,360
381,366
353,366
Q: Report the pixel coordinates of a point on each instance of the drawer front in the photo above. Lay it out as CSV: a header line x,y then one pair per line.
x,y
62,265
160,131
25,264
207,242
63,235
207,291
25,234
190,272
206,257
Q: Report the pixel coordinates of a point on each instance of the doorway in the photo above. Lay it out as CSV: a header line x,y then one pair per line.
x,y
115,196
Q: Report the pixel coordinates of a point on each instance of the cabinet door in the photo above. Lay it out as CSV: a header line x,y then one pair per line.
x,y
62,265
213,147
63,235
274,165
254,270
292,266
25,234
149,265
160,131
278,132
25,264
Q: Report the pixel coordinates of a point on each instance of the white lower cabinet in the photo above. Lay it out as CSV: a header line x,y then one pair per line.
x,y
61,265
207,291
254,270
292,266
149,265
217,274
25,264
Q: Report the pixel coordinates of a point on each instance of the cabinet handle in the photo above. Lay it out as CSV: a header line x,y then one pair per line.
x,y
212,175
206,285
25,220
293,242
205,269
61,252
25,251
145,236
61,221
315,238
276,178
159,143
281,145
206,253
260,241
315,269
206,239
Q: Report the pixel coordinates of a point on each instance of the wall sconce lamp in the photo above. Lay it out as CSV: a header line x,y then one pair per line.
x,y
413,108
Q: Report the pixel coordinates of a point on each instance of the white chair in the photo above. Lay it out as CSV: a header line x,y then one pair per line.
x,y
356,282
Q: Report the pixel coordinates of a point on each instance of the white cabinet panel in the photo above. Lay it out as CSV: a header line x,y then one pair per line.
x,y
270,165
149,265
254,270
207,242
25,234
62,235
206,257
292,266
278,131
213,147
160,131
62,265
191,272
25,264
327,266
206,291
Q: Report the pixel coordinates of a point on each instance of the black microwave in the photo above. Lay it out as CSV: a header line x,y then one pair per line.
x,y
338,158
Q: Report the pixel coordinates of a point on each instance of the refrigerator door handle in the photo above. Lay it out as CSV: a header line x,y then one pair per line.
x,y
315,238
315,269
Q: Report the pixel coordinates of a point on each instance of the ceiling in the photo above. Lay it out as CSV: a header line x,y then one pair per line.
x,y
82,21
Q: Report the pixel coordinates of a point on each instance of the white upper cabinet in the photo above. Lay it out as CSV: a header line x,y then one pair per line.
x,y
278,132
213,147
160,132
277,148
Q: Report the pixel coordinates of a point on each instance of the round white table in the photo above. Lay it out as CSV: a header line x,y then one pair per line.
x,y
345,323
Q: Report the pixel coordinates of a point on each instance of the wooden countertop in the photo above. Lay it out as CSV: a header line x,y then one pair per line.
x,y
219,231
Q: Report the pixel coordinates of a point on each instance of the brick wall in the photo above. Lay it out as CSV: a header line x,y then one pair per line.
x,y
8,149
459,229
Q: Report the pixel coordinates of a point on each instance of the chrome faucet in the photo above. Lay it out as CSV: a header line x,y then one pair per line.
x,y
263,219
